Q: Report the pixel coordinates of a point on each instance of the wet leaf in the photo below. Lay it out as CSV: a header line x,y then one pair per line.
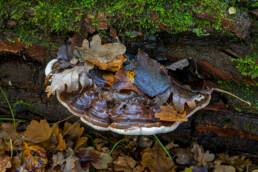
x,y
34,157
156,159
124,163
5,162
104,56
151,78
69,80
124,81
38,132
168,113
200,156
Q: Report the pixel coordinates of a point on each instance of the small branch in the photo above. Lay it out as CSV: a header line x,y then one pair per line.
x,y
226,92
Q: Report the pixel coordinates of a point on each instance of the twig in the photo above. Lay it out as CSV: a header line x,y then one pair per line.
x,y
226,92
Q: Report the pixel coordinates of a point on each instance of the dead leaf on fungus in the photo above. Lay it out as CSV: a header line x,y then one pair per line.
x,y
34,157
168,113
69,80
106,56
156,159
151,78
200,156
38,132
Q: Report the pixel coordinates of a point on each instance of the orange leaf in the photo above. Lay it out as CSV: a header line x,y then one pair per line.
x,y
80,141
109,77
38,132
61,143
34,157
170,114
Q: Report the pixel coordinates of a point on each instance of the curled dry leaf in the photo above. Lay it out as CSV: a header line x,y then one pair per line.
x,y
156,159
73,131
200,156
168,113
125,164
5,162
69,80
223,168
61,143
34,157
103,56
72,165
38,132
178,65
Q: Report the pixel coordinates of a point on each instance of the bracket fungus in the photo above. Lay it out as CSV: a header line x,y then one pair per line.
x,y
95,86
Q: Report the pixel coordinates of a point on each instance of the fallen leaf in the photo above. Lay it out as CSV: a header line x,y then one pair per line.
x,y
184,155
69,80
103,56
168,113
156,159
124,163
34,157
200,156
151,78
178,65
5,162
124,81
38,132
87,156
61,143
110,77
80,142
99,143
72,165
73,131
223,168
236,161
58,159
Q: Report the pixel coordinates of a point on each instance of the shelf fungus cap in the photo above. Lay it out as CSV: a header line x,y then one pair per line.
x,y
106,109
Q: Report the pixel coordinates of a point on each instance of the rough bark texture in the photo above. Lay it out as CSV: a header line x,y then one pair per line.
x,y
216,127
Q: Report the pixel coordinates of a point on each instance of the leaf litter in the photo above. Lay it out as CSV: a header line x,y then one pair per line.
x,y
65,147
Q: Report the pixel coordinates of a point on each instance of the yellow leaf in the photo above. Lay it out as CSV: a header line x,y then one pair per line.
x,y
168,113
80,142
34,157
61,143
131,75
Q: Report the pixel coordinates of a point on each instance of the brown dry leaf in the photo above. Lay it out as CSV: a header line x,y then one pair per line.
x,y
72,165
124,163
99,143
80,142
104,56
87,156
184,155
69,80
156,159
124,81
34,157
38,132
55,130
168,113
5,162
73,131
58,159
200,156
236,161
61,143
223,168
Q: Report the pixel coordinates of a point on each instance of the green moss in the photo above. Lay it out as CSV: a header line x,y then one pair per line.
x,y
244,91
37,19
248,66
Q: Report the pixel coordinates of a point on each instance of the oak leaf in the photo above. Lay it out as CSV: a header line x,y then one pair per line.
x,y
5,162
69,80
105,56
61,143
168,113
124,163
38,132
156,159
200,156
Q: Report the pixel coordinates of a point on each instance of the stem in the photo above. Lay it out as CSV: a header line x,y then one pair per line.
x,y
10,107
226,92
